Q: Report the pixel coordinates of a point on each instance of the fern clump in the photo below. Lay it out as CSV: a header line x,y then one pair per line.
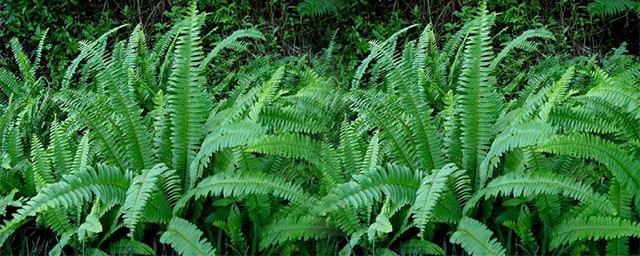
x,y
432,147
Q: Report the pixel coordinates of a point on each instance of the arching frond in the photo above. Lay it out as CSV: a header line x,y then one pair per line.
x,y
186,239
476,239
523,42
302,228
617,160
288,145
596,227
108,183
539,183
396,182
240,184
430,191
138,195
517,136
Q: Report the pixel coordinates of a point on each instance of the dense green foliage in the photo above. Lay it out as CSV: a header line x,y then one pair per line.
x,y
172,144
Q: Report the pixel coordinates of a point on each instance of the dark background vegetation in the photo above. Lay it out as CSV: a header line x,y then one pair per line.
x,y
306,27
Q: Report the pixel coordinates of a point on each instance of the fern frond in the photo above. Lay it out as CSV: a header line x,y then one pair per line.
x,y
225,136
10,85
622,202
623,166
538,183
350,149
187,102
596,227
108,183
266,93
315,8
376,51
92,111
476,239
241,184
84,53
61,150
557,93
396,182
232,42
41,160
24,65
478,101
291,145
581,120
186,239
430,191
82,159
427,140
287,229
612,7
625,97
420,247
290,119
523,42
137,140
124,246
393,128
138,195
517,136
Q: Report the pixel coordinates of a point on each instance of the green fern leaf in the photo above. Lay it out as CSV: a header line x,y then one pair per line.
x,y
596,227
187,102
517,136
430,191
124,246
185,238
623,166
288,229
538,183
396,182
291,145
108,183
477,99
138,195
240,184
476,239
224,136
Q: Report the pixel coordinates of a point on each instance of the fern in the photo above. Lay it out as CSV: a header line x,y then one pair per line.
x,y
619,162
611,8
138,195
124,246
596,227
289,145
319,8
429,193
476,239
108,183
518,136
186,239
240,184
477,98
521,42
225,136
397,183
537,183
294,229
187,101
